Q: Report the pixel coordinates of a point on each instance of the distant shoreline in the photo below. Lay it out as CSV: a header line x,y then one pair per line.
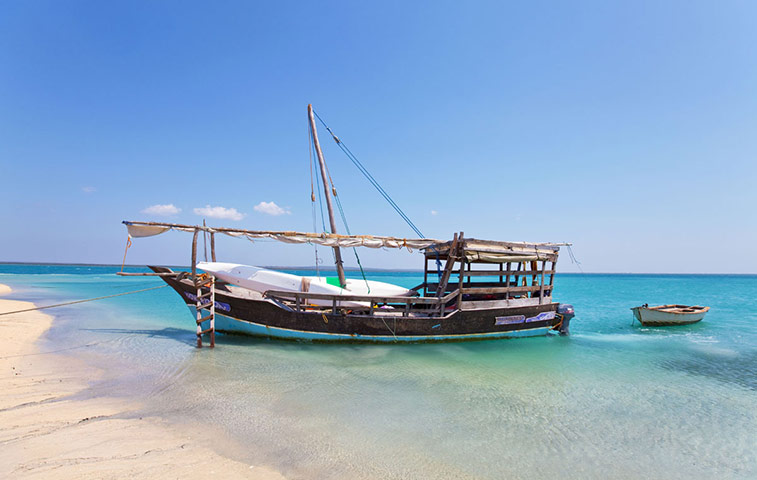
x,y
367,269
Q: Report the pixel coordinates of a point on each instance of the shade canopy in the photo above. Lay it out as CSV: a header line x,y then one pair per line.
x,y
149,229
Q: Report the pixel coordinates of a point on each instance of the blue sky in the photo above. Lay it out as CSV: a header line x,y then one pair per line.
x,y
627,128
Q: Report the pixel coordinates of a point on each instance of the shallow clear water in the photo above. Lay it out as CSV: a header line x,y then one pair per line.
x,y
613,400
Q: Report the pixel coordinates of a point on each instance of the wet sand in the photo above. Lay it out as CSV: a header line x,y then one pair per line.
x,y
50,429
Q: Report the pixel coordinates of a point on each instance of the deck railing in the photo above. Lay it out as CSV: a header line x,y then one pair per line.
x,y
431,306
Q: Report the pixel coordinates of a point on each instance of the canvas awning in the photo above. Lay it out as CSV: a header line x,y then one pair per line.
x,y
503,258
149,229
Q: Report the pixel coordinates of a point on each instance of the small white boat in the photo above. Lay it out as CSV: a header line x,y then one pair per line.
x,y
261,280
662,315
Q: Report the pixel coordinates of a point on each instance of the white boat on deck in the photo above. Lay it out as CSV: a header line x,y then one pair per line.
x,y
663,315
262,280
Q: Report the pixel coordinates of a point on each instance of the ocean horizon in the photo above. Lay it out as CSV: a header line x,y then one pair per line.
x,y
330,271
612,400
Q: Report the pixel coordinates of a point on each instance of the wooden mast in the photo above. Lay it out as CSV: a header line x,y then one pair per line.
x,y
337,251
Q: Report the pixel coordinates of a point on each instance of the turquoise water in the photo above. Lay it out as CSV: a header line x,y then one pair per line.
x,y
613,400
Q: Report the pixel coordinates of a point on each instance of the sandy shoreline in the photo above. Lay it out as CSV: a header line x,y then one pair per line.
x,y
44,433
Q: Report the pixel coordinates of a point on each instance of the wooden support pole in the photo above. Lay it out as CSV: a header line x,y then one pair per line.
x,y
541,290
194,254
507,282
552,275
425,276
205,239
322,163
461,249
213,314
517,272
213,246
441,286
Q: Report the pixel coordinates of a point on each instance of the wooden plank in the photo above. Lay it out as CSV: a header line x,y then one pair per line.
x,y
448,267
490,290
495,273
359,298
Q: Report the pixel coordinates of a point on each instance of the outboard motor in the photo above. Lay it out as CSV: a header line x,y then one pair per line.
x,y
566,312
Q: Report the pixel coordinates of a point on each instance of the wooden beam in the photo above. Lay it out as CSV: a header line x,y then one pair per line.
x,y
495,273
552,273
490,290
329,207
425,276
194,254
360,298
447,268
461,247
541,282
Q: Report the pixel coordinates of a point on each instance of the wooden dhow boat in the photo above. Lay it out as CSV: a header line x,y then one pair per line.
x,y
479,289
667,315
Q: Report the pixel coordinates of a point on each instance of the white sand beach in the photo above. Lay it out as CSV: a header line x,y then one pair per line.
x,y
47,433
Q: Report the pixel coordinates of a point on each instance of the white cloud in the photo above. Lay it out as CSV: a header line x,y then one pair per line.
x,y
162,210
219,212
88,189
270,208
434,212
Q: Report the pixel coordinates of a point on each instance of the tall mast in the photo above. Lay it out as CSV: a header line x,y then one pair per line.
x,y
337,252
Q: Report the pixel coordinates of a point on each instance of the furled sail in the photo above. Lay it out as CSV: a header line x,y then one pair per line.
x,y
148,229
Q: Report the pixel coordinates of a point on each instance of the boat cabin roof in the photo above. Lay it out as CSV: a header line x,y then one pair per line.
x,y
490,251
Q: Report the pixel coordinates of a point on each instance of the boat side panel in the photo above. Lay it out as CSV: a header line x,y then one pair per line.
x,y
231,325
652,317
503,321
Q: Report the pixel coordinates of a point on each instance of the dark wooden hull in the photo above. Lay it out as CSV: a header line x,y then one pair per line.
x,y
267,318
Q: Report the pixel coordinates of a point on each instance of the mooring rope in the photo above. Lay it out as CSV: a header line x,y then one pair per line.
x,y
82,301
390,329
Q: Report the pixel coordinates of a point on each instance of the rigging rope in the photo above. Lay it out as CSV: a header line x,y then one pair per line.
x,y
312,199
574,259
338,203
370,177
378,187
82,301
346,227
320,198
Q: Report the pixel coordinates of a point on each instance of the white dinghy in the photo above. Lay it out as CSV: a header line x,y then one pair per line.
x,y
666,315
